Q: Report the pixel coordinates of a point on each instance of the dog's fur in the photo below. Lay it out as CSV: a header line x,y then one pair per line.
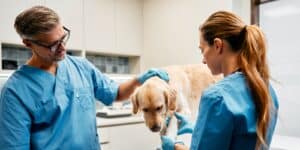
x,y
159,99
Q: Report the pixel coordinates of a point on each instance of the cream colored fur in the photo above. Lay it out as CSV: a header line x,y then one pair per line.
x,y
158,99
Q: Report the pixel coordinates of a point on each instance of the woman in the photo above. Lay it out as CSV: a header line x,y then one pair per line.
x,y
240,111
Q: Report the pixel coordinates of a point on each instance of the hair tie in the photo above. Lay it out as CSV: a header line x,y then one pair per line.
x,y
243,32
244,29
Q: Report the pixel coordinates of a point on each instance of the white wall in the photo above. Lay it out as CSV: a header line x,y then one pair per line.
x,y
281,26
171,29
243,9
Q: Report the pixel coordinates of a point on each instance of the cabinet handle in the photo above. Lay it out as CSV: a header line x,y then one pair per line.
x,y
105,142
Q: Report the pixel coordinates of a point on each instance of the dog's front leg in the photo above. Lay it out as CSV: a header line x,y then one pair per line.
x,y
171,129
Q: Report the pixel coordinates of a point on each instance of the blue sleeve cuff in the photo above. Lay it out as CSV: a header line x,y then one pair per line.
x,y
107,91
179,142
111,93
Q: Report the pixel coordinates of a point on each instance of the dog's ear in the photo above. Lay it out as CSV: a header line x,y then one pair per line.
x,y
135,103
170,97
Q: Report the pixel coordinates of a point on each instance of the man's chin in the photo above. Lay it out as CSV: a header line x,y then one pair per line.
x,y
60,58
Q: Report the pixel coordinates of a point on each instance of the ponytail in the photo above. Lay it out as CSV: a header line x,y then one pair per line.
x,y
253,63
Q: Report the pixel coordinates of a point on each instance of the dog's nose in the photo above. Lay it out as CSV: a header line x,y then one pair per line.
x,y
155,128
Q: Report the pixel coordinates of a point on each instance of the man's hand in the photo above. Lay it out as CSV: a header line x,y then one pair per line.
x,y
185,125
151,73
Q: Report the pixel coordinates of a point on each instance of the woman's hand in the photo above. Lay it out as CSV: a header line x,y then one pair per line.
x,y
185,125
167,143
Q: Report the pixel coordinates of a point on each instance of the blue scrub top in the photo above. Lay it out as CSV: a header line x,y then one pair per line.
x,y
227,117
41,111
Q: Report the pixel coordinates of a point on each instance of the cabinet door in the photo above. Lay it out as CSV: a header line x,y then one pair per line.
x,y
129,26
71,15
9,9
105,147
104,139
133,137
99,25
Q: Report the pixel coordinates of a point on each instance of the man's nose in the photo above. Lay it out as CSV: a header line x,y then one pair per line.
x,y
62,46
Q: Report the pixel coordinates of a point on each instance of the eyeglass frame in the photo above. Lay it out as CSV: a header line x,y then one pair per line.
x,y
55,46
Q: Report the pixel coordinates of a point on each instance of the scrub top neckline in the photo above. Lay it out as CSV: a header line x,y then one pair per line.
x,y
32,68
233,75
237,73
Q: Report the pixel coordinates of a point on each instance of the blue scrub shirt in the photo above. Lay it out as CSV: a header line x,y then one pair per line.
x,y
227,117
41,111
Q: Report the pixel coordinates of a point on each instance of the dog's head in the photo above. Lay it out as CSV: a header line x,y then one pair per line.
x,y
155,99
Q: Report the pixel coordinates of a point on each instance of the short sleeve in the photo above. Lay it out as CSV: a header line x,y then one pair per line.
x,y
273,115
15,122
274,97
105,89
214,125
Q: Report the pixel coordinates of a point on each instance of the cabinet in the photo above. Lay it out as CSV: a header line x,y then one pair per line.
x,y
115,26
128,137
129,26
71,15
9,10
99,25
70,12
14,55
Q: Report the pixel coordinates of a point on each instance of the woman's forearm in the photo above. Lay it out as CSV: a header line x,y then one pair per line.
x,y
180,147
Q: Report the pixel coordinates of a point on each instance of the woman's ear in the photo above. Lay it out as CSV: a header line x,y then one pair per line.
x,y
218,43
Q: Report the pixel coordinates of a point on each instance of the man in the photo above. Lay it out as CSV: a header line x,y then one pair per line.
x,y
48,103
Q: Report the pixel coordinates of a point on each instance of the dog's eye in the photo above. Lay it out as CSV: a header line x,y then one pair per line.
x,y
159,108
145,110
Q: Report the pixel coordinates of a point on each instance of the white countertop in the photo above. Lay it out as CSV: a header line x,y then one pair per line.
x,y
108,122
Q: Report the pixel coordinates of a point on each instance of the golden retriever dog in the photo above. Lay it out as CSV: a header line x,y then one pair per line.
x,y
158,99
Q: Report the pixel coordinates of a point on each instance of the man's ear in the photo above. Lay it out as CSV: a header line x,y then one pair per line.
x,y
170,98
26,43
135,103
218,43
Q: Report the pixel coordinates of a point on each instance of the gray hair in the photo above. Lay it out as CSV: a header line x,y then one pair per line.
x,y
36,20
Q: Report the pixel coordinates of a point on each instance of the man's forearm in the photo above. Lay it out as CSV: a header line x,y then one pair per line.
x,y
127,88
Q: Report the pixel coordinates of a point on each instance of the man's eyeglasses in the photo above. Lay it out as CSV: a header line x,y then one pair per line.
x,y
55,46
